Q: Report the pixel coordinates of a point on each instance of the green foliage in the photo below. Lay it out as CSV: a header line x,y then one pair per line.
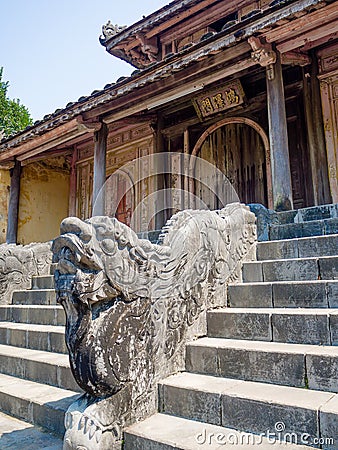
x,y
14,116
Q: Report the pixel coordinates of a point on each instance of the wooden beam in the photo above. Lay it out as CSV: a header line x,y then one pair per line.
x,y
295,58
307,37
319,42
303,24
99,178
280,164
60,152
13,206
140,106
39,141
213,13
52,144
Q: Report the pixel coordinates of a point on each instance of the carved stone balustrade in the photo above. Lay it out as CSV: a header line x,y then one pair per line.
x,y
19,263
132,305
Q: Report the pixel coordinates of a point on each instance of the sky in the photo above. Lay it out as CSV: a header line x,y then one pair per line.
x,y
50,49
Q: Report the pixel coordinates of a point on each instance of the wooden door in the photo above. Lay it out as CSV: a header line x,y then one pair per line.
x,y
302,187
238,151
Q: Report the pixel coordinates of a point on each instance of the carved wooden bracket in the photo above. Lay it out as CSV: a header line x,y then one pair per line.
x,y
148,47
262,53
88,125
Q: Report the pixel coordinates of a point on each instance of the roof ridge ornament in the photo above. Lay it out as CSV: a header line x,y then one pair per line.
x,y
109,30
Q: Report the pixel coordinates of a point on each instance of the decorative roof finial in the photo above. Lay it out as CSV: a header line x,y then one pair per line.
x,y
109,30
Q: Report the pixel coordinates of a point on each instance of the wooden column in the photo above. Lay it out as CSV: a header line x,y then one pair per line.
x,y
13,206
160,214
73,185
280,164
315,135
186,151
99,179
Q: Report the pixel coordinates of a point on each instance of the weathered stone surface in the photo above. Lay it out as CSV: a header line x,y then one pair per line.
x,y
258,295
288,231
332,294
265,218
236,325
267,362
192,403
252,272
259,407
43,404
43,282
331,226
278,249
329,423
201,359
17,434
132,305
34,297
18,264
312,228
300,294
318,246
165,432
328,268
322,369
290,270
301,328
38,366
285,325
334,327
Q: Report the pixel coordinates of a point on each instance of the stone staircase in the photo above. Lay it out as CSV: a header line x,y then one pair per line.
x,y
269,363
36,383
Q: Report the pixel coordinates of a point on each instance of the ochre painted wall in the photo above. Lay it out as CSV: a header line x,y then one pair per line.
x,y
44,195
5,181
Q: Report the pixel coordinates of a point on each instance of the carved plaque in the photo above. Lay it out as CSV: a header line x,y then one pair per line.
x,y
220,99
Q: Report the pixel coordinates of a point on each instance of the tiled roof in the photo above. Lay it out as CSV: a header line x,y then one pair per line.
x,y
156,71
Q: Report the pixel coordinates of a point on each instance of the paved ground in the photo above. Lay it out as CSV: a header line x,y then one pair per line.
x,y
16,434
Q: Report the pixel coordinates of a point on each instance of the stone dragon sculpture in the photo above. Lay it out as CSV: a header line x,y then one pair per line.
x,y
19,263
132,305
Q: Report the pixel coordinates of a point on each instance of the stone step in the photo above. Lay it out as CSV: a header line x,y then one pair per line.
x,y
34,297
305,229
252,407
47,338
164,432
323,268
37,403
298,248
39,366
15,434
43,282
308,214
298,365
284,294
297,326
34,314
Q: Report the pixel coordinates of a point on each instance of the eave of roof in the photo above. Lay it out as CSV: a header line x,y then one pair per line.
x,y
155,18
155,72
